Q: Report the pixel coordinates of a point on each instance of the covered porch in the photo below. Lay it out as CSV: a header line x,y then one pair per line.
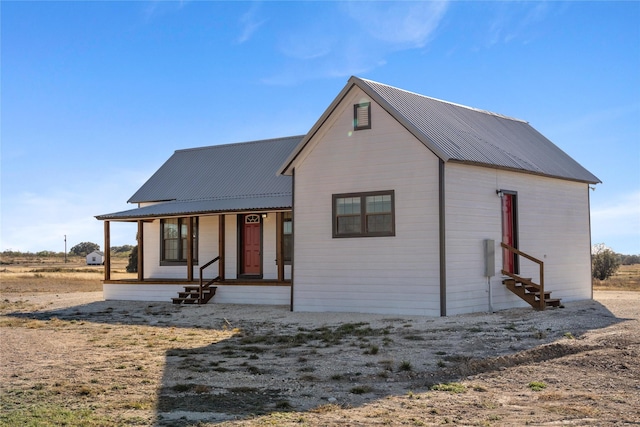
x,y
215,252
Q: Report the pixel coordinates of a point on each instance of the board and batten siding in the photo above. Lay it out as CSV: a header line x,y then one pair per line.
x,y
398,274
553,226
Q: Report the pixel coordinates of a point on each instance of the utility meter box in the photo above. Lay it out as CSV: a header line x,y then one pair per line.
x,y
489,257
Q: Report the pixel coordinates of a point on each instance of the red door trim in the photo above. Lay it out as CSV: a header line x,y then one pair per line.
x,y
250,245
509,230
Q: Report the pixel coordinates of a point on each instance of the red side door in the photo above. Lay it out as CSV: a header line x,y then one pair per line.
x,y
508,232
251,245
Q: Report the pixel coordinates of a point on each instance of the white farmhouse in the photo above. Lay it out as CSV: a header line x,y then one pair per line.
x,y
95,258
393,202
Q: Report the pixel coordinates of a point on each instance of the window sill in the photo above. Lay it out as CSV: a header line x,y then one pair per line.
x,y
175,263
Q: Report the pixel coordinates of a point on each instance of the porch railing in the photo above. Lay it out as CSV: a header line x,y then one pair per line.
x,y
540,285
202,283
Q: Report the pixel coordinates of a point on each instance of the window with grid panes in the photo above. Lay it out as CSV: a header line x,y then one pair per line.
x,y
364,214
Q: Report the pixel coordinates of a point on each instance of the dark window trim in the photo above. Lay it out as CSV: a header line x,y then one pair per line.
x,y
516,228
356,107
180,262
363,214
287,257
240,274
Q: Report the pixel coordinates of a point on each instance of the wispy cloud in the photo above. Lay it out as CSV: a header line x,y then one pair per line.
x,y
354,38
616,219
517,21
157,8
400,24
599,119
47,216
250,23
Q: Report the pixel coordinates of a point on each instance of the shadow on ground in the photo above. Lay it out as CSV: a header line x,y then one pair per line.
x,y
277,361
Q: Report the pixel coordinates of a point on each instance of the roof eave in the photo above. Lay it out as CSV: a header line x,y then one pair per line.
x,y
401,119
506,168
148,217
285,169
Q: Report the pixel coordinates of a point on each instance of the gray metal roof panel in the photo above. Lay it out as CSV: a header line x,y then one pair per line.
x,y
194,207
232,170
465,134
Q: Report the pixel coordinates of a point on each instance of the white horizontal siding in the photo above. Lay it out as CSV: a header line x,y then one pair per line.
x,y
553,223
225,294
398,274
132,292
231,247
266,295
269,266
208,249
207,245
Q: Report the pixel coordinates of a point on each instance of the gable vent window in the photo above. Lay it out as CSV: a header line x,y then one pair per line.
x,y
362,116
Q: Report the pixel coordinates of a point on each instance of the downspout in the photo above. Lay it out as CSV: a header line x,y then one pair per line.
x,y
442,236
293,229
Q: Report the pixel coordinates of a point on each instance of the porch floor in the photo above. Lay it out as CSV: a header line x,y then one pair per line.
x,y
184,282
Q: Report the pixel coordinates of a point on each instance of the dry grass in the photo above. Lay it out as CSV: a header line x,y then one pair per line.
x,y
53,275
627,278
118,389
113,367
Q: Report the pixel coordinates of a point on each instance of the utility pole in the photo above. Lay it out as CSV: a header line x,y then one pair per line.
x,y
65,248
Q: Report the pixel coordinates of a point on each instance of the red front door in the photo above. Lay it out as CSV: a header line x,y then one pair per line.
x,y
251,245
509,231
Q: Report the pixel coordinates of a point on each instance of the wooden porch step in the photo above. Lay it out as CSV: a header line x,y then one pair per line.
x,y
191,295
530,292
552,302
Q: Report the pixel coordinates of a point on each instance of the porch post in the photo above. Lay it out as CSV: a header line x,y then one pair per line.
x,y
442,237
107,251
140,251
190,249
221,245
279,247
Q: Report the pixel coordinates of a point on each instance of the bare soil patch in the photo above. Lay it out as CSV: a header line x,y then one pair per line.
x,y
73,359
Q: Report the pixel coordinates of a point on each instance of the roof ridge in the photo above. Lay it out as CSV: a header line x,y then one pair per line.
x,y
257,141
478,110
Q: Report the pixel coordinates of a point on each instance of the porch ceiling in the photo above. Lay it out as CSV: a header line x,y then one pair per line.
x,y
204,206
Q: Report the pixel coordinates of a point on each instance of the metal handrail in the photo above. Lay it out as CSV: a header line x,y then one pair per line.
x,y
537,261
201,283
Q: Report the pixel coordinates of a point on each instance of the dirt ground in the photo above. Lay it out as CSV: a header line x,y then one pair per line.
x,y
74,359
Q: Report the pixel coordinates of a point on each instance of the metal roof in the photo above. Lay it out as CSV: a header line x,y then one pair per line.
x,y
458,133
194,207
242,176
219,178
232,170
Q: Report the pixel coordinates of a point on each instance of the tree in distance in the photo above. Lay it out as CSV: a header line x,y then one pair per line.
x,y
121,249
84,248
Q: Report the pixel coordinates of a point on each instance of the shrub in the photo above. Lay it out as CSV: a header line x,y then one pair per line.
x,y
537,385
405,366
449,387
132,267
604,264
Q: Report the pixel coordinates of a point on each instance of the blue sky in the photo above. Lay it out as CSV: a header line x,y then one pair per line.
x,y
97,95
